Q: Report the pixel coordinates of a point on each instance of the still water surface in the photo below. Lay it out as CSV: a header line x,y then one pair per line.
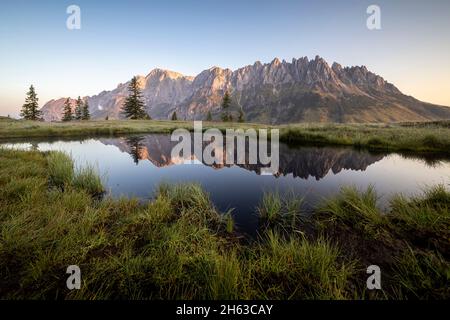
x,y
134,166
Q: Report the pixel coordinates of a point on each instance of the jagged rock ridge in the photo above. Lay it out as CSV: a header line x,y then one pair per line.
x,y
276,92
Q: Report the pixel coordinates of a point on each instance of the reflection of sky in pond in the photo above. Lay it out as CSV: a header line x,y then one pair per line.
x,y
241,188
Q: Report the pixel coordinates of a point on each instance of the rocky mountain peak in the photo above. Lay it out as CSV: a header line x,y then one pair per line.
x,y
275,62
274,92
162,74
336,67
141,81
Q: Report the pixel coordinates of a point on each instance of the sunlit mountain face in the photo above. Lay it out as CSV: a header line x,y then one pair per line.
x,y
301,90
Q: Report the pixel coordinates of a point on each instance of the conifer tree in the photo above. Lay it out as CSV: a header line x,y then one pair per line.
x,y
86,115
226,101
224,117
67,116
241,116
133,107
30,109
79,109
209,116
174,116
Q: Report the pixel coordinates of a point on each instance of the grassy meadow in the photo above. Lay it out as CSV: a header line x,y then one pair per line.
x,y
178,246
416,137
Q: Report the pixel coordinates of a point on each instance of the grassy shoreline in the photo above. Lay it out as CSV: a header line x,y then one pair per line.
x,y
178,246
432,137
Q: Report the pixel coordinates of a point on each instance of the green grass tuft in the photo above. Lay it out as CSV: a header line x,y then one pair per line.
x,y
422,275
296,268
61,171
87,178
270,207
356,209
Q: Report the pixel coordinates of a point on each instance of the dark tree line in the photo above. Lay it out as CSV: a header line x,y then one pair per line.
x,y
30,109
227,116
133,107
81,110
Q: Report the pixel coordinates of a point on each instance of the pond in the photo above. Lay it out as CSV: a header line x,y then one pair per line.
x,y
134,166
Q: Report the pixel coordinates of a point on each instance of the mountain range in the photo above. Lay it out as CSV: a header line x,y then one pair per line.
x,y
278,92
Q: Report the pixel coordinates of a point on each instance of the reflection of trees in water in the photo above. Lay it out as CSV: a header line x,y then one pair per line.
x,y
432,160
300,161
136,146
34,146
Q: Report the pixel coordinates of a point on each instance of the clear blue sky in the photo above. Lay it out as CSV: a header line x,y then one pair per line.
x,y
119,39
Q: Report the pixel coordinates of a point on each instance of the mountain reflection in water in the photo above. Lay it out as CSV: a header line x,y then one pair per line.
x,y
134,166
301,162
